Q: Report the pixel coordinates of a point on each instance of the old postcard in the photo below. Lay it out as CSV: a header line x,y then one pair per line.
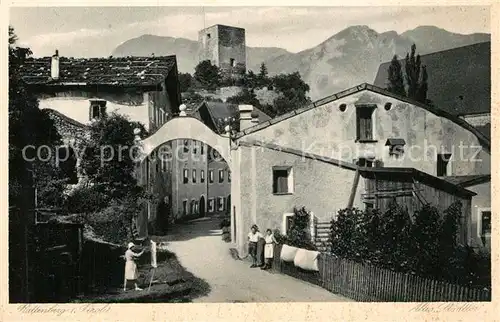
x,y
272,163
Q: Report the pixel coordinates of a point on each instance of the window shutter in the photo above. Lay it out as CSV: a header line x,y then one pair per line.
x,y
368,127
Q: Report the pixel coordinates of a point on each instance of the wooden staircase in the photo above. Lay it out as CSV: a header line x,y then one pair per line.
x,y
322,236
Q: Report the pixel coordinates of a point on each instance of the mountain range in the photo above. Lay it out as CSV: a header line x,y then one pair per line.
x,y
346,59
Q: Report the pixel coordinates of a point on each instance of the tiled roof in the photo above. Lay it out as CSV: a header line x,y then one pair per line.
x,y
459,79
485,141
113,71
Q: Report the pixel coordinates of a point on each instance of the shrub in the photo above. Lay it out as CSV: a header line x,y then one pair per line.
x,y
86,199
426,246
299,235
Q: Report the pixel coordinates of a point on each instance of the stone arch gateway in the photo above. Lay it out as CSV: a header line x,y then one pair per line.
x,y
187,128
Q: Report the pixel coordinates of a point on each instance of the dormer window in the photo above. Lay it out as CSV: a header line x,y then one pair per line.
x,y
97,109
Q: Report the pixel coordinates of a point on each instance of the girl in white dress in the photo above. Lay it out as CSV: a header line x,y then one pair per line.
x,y
131,273
269,249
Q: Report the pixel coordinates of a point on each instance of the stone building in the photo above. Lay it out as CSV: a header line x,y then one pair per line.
x,y
225,47
338,152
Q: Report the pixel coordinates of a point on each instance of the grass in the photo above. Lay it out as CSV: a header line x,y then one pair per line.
x,y
172,284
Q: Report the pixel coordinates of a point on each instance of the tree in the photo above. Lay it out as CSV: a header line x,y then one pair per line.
x,y
185,82
396,80
208,75
28,126
293,92
417,86
246,96
109,164
422,90
263,79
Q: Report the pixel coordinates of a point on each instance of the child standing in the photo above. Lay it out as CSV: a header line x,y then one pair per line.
x,y
253,238
269,249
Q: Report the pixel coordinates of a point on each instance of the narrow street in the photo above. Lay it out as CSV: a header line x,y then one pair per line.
x,y
200,249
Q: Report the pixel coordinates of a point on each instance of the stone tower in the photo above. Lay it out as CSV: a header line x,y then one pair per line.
x,y
225,47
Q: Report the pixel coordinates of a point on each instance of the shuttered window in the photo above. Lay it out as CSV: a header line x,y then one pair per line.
x,y
364,122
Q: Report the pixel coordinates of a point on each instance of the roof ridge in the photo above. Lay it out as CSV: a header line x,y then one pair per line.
x,y
365,86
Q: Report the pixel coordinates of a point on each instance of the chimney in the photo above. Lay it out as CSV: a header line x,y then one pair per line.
x,y
255,117
245,116
54,66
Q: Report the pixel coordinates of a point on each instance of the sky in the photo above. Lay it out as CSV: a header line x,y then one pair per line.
x,y
96,31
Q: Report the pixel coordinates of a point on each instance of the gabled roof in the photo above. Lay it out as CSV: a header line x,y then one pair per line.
x,y
113,71
485,141
212,112
459,79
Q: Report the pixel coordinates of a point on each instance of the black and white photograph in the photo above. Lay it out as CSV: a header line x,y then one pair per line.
x,y
249,154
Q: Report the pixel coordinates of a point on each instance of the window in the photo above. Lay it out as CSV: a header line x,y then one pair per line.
x,y
186,176
364,122
209,36
232,62
185,207
484,223
443,161
364,162
211,205
186,146
211,176
157,165
196,207
220,203
282,180
97,109
202,149
195,147
221,176
194,176
228,176
202,176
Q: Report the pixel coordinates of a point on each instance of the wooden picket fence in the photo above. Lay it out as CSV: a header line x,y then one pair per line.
x,y
368,283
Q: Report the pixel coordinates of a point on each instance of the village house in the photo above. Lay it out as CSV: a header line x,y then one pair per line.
x,y
357,148
77,91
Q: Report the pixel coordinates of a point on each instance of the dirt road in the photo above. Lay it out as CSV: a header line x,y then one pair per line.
x,y
199,247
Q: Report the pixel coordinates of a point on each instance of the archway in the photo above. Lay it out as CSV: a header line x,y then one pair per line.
x,y
202,206
189,128
186,136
